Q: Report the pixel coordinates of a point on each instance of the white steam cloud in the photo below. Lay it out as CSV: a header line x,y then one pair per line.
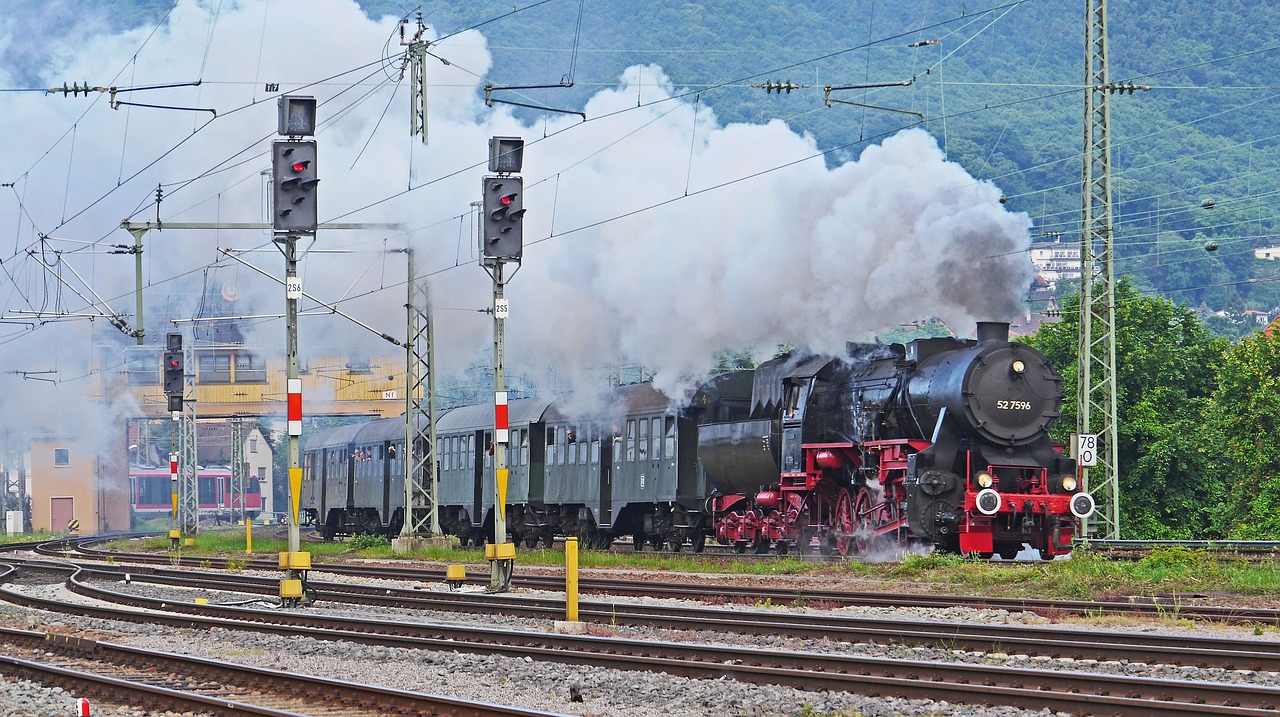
x,y
654,233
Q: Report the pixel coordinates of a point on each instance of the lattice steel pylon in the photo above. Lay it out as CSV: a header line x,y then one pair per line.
x,y
236,501
1097,354
188,459
416,57
422,517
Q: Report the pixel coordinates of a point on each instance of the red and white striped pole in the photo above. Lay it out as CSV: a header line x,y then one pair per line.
x,y
294,416
500,438
174,532
83,707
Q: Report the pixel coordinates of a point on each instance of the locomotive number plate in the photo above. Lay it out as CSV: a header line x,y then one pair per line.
x,y
1013,405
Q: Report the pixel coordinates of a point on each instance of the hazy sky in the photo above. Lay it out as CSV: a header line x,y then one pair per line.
x,y
654,233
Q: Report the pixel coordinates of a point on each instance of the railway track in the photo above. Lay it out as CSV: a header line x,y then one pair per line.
x,y
176,682
1149,606
1037,640
1067,691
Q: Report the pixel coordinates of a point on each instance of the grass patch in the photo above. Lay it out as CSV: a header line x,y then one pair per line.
x,y
29,537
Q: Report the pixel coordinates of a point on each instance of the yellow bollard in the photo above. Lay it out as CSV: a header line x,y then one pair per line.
x,y
571,579
248,536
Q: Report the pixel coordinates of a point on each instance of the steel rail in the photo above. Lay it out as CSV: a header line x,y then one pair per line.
x,y
1074,692
1031,640
214,686
1164,605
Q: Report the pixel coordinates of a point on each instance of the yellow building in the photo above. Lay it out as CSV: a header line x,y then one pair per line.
x,y
234,380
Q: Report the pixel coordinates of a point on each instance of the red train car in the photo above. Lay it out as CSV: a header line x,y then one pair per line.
x,y
150,492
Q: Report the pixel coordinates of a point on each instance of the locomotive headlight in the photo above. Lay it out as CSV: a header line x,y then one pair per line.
x,y
988,502
1018,366
984,480
1069,483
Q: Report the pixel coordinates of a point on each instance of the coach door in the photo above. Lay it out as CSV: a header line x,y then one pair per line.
x,y
606,481
479,450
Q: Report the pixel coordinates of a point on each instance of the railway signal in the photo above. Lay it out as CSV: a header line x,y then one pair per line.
x,y
503,217
174,372
293,185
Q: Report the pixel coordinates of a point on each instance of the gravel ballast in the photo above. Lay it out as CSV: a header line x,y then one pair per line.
x,y
555,687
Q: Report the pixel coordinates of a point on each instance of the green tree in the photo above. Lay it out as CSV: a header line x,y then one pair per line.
x,y
1245,414
1165,359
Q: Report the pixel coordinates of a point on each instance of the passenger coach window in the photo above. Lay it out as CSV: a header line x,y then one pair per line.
x,y
631,441
657,438
560,446
595,450
644,438
671,437
572,438
582,453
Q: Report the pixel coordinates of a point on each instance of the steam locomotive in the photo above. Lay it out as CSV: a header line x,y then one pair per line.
x,y
939,441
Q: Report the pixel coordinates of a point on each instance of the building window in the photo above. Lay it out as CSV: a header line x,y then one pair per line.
x,y
214,367
250,369
62,456
143,366
253,444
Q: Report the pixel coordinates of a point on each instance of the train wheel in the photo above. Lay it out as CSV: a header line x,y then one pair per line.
x,y
739,546
548,538
761,547
782,547
531,540
637,541
865,530
677,544
699,542
842,523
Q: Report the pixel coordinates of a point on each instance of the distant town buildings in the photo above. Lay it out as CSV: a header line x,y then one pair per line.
x,y
1056,260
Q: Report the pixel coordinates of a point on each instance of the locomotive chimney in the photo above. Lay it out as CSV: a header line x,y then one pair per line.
x,y
993,331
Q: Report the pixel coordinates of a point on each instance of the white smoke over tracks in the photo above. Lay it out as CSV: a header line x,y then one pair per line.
x,y
806,255
654,233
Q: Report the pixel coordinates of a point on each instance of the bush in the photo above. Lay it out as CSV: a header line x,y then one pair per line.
x,y
366,541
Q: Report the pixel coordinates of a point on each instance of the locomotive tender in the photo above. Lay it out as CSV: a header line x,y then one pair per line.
x,y
940,441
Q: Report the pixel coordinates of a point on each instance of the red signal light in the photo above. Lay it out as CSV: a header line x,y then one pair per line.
x,y
506,199
299,166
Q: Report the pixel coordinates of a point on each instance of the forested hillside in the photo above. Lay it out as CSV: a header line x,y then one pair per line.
x,y
1195,157
1001,91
